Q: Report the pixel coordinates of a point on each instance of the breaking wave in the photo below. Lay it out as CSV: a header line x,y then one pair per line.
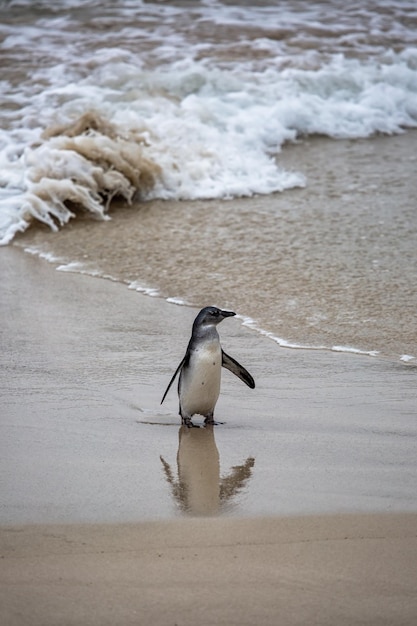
x,y
169,120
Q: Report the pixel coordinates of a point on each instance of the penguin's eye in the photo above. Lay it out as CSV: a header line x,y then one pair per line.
x,y
214,313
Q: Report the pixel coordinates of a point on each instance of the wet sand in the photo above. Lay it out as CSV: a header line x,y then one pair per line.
x,y
100,525
85,362
340,570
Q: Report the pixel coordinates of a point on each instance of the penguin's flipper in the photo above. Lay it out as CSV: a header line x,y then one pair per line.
x,y
173,378
237,369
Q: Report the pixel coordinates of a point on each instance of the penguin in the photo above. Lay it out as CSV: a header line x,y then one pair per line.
x,y
200,369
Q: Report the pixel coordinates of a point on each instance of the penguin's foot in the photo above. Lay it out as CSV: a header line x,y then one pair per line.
x,y
209,421
186,421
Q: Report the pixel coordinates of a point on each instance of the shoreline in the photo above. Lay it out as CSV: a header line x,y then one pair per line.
x,y
75,267
316,268
84,366
93,527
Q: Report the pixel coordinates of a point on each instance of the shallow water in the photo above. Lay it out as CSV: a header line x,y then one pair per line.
x,y
181,111
332,265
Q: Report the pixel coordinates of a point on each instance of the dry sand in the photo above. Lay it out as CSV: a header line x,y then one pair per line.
x,y
78,385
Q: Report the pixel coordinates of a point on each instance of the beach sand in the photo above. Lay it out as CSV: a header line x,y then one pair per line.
x,y
315,471
314,570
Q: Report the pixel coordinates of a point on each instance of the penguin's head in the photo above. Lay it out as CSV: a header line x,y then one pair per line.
x,y
211,316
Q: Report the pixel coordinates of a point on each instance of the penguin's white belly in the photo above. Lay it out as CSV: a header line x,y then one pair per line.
x,y
200,381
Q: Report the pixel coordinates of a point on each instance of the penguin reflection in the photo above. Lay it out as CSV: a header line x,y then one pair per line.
x,y
199,490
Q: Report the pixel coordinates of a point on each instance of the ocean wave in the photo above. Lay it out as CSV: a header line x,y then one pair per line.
x,y
84,130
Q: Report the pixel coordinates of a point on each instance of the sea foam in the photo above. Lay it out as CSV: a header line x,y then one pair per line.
x,y
145,112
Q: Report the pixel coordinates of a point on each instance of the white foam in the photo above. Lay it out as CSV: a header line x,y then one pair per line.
x,y
74,266
47,256
201,120
178,301
149,291
351,350
407,358
251,323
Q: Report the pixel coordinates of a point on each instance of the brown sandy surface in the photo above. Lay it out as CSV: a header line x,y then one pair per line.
x,y
314,570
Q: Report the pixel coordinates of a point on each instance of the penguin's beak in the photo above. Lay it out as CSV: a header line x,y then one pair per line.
x,y
227,313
